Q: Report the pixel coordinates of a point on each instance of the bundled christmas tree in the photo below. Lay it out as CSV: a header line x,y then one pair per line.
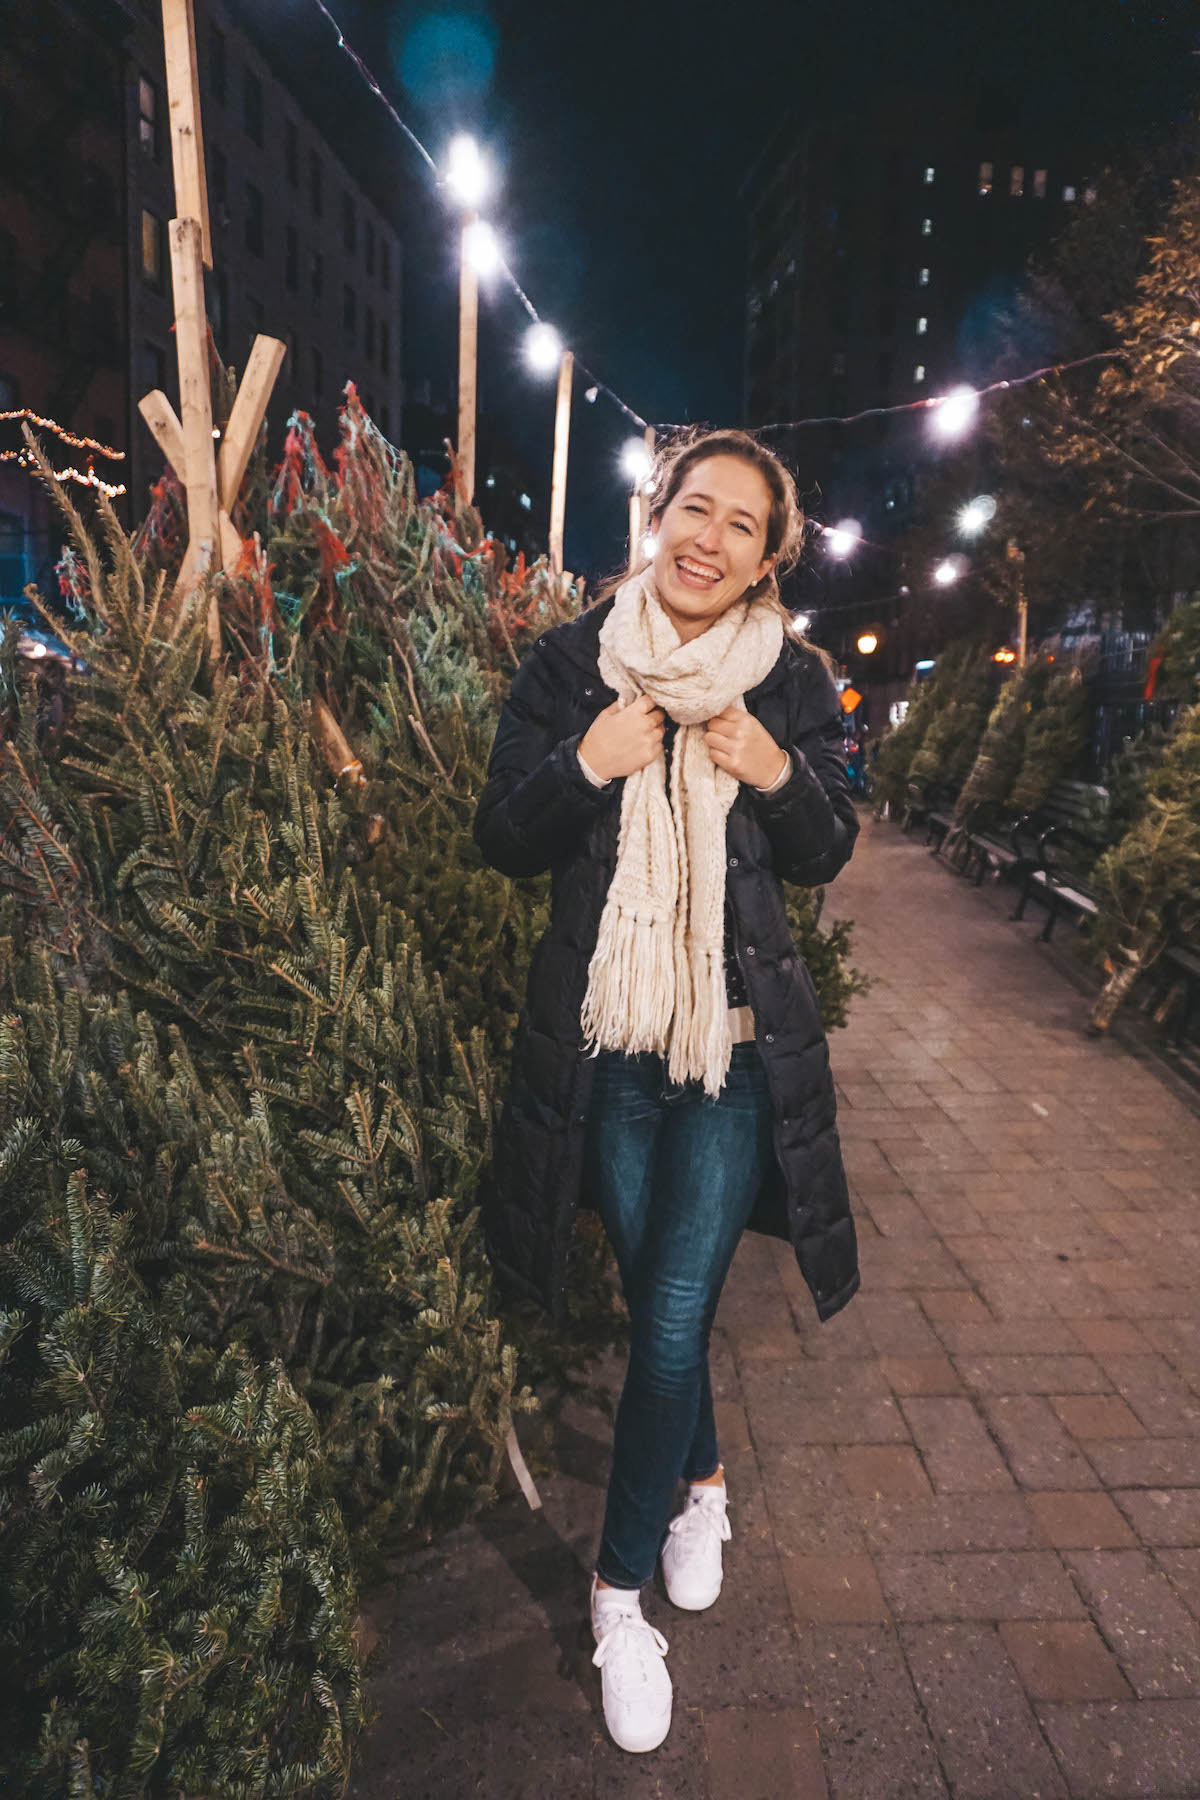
x,y
893,767
1055,739
1149,881
950,742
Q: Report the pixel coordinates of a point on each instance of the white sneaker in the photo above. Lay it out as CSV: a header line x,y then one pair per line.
x,y
691,1555
629,1653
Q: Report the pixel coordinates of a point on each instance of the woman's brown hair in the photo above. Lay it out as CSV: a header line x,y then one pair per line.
x,y
785,520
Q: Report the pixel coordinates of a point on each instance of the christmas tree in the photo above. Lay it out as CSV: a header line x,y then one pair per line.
x,y
1055,739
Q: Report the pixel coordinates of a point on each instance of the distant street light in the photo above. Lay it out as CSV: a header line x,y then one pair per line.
x,y
948,571
976,515
841,539
543,349
867,643
481,247
467,174
954,413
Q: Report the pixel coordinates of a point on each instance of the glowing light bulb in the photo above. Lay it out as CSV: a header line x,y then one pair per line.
x,y
841,539
867,643
635,459
976,515
466,171
954,413
543,349
481,247
948,571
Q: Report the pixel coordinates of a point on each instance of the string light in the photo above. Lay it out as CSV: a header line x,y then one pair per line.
x,y
68,437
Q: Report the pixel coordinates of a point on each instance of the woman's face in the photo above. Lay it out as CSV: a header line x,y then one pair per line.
x,y
710,542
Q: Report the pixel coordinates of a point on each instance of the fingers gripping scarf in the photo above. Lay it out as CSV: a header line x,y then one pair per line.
x,y
657,978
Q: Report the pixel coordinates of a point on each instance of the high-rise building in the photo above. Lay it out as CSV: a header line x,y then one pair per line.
x,y
883,254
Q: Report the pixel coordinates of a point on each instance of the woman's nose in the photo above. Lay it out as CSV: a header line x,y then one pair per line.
x,y
709,538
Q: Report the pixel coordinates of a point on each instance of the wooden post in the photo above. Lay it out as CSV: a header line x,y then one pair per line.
x,y
1016,556
183,105
468,352
558,482
639,509
195,416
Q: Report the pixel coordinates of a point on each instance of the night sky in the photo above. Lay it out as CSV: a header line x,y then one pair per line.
x,y
622,134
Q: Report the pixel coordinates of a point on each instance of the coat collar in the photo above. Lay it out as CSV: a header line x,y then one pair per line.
x,y
578,642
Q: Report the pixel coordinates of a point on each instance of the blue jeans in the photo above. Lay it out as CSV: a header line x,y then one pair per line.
x,y
674,1175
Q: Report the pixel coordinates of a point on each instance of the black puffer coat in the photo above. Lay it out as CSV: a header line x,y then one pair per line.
x,y
538,811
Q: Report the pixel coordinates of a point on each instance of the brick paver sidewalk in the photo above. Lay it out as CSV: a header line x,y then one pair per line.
x,y
966,1513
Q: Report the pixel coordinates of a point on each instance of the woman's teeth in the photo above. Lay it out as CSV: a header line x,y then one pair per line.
x,y
697,574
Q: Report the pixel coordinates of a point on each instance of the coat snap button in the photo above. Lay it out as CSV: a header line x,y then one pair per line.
x,y
587,691
749,949
770,1038
733,862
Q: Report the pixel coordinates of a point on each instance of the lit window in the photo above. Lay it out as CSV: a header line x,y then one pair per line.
x,y
985,178
1039,184
526,502
929,178
922,327
1016,181
923,278
926,227
919,372
148,116
152,249
1068,194
1089,196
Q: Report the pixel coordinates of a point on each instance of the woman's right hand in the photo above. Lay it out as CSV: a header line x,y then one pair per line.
x,y
623,739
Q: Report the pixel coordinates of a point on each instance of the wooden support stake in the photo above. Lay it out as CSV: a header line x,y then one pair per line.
x,y
232,543
249,408
558,481
468,350
187,134
195,409
165,429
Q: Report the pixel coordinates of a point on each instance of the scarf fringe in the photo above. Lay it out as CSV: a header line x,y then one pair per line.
x,y
631,1009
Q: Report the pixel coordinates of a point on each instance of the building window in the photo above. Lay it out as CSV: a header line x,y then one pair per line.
x,y
385,262
385,347
928,177
1016,181
291,152
369,334
148,116
255,220
217,67
1068,195
985,177
1089,196
318,372
316,185
317,278
291,257
349,225
152,249
1039,184
919,372
369,246
218,176
252,105
154,367
349,312
926,227
922,326
923,278
838,365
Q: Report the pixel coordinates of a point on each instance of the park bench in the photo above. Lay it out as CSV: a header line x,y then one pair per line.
x,y
929,803
993,838
1069,831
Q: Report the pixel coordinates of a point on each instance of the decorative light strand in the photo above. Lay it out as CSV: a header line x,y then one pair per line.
x,y
88,479
534,315
68,437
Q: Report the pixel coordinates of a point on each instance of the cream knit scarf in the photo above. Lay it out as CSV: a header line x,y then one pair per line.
x,y
657,978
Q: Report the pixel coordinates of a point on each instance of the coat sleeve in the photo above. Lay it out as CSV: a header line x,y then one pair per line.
x,y
810,822
536,803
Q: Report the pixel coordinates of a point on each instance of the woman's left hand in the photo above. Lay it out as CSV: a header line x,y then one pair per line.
x,y
739,744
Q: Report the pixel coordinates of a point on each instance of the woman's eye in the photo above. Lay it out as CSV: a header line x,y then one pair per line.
x,y
744,528
692,507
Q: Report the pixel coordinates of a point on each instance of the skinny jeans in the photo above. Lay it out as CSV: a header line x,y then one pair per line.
x,y
674,1174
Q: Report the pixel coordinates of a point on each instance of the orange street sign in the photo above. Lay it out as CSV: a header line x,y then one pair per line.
x,y
850,699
